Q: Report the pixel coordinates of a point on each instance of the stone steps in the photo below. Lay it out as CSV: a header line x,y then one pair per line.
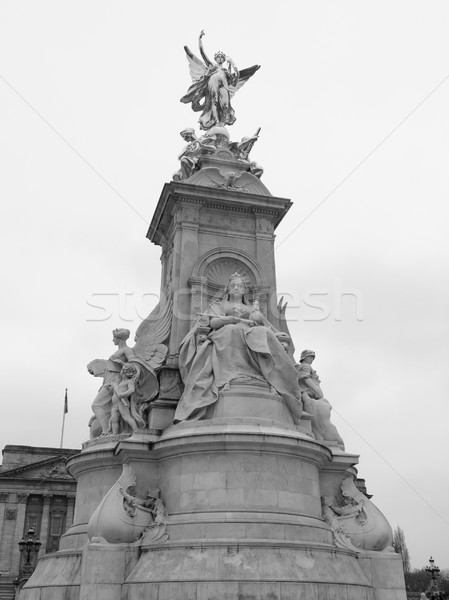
x,y
7,590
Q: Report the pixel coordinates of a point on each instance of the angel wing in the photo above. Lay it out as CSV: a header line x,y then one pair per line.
x,y
244,75
197,67
150,353
150,334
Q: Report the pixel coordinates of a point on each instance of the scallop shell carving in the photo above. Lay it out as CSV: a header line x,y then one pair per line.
x,y
219,271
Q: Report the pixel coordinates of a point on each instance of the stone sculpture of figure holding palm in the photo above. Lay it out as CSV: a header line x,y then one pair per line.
x,y
213,86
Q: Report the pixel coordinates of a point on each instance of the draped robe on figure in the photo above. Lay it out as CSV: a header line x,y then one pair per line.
x,y
234,351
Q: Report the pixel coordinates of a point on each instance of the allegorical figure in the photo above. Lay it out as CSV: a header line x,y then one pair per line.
x,y
102,405
241,345
137,385
121,399
314,401
213,86
191,153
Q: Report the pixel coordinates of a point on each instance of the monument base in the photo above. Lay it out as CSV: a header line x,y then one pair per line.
x,y
245,521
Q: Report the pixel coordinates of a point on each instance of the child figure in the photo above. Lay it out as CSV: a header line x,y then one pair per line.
x,y
120,399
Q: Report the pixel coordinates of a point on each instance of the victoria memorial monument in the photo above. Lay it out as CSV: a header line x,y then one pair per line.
x,y
214,470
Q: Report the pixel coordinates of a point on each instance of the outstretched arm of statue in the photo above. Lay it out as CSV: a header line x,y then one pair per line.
x,y
208,62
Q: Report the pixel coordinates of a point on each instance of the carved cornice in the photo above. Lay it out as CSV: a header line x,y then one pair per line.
x,y
175,194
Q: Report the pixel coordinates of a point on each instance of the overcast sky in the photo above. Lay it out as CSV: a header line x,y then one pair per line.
x,y
353,101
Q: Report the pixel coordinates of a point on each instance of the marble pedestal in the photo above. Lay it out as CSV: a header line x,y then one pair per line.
x,y
245,519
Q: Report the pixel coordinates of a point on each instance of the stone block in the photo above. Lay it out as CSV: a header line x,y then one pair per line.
x,y
217,591
310,470
225,498
297,484
195,464
131,557
312,506
293,501
272,531
259,591
188,531
272,481
31,594
358,593
242,402
103,564
242,480
193,499
230,462
160,415
257,463
95,591
298,591
384,571
224,530
261,498
307,534
291,467
170,467
168,591
209,481
140,591
65,593
315,488
186,482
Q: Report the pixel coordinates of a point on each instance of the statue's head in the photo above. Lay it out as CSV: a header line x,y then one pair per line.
x,y
153,494
284,339
129,370
188,134
236,287
220,57
307,356
120,334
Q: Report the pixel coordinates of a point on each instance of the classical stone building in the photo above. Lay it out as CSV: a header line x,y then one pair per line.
x,y
36,491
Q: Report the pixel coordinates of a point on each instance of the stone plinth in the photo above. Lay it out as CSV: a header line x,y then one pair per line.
x,y
245,520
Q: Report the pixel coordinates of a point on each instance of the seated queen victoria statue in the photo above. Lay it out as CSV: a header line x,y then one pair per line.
x,y
241,346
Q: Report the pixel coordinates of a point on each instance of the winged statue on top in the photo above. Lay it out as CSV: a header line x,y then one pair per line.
x,y
214,84
130,375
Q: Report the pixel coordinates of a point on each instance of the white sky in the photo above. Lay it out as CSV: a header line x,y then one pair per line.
x,y
89,94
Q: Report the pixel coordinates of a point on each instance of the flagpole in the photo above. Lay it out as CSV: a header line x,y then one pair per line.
x,y
66,410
